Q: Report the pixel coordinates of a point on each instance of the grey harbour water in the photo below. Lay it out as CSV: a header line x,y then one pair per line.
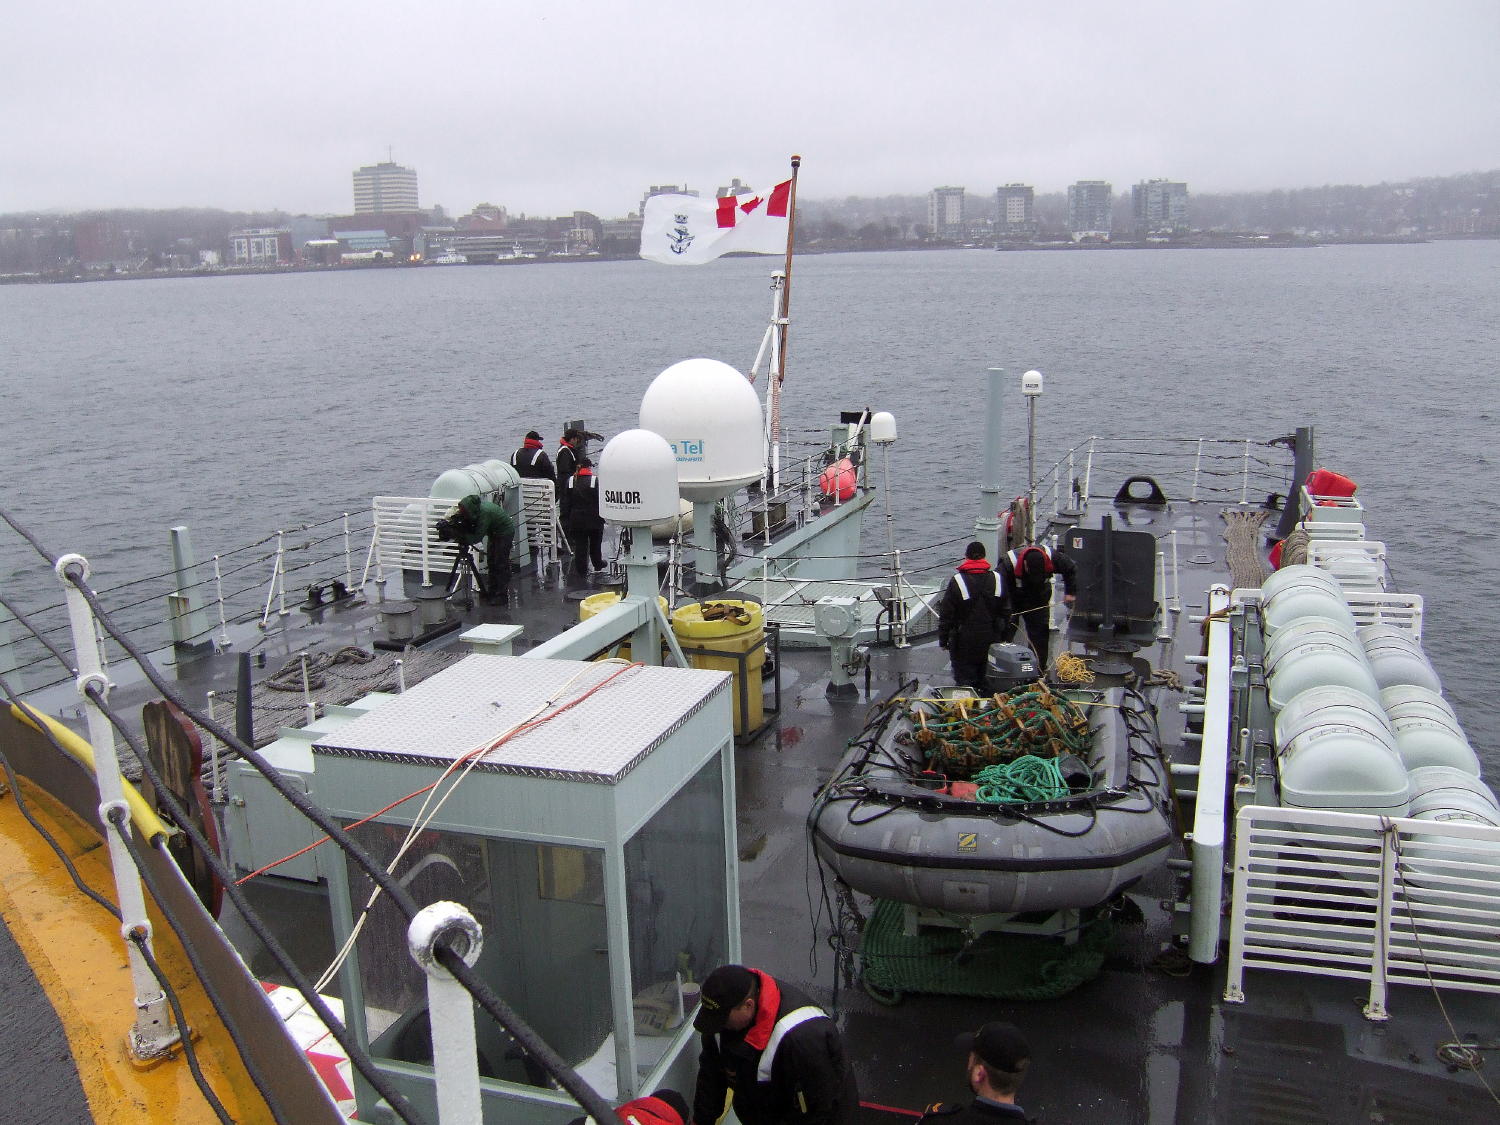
x,y
240,405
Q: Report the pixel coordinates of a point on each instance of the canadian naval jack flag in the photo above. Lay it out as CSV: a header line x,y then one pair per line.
x,y
686,230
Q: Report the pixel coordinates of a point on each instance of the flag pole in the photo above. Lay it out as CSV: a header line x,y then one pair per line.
x,y
784,328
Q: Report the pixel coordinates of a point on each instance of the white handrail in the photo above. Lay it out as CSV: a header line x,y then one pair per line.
x,y
1390,900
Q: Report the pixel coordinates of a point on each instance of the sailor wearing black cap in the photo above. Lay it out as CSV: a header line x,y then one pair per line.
x,y
531,461
780,1055
996,1060
971,616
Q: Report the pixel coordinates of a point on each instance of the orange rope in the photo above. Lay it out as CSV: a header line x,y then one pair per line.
x,y
478,752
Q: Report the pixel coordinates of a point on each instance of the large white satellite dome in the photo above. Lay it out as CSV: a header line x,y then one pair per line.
x,y
710,415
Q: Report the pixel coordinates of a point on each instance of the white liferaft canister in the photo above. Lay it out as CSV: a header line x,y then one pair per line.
x,y
1396,658
1318,664
1340,767
1399,694
1428,742
1316,700
1438,865
1445,793
1335,715
1297,574
1309,629
1308,599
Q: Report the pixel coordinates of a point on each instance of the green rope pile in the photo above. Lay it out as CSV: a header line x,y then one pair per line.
x,y
1028,778
961,737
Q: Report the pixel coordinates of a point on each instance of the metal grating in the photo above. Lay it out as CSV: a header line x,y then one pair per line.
x,y
483,697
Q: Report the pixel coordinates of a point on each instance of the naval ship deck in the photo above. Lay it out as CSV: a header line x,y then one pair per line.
x,y
1150,1040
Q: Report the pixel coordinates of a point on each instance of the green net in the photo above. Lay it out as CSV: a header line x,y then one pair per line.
x,y
998,966
959,738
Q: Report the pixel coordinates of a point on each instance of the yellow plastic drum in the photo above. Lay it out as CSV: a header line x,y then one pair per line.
x,y
598,603
736,629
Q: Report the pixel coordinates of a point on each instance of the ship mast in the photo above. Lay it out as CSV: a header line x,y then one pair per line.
x,y
776,337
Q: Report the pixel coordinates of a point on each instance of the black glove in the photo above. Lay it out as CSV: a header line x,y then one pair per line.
x,y
942,642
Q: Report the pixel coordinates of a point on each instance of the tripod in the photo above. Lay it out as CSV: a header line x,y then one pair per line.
x,y
463,566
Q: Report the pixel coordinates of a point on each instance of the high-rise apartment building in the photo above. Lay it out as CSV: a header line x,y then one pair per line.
x,y
1015,212
1089,203
1159,207
664,189
945,213
384,187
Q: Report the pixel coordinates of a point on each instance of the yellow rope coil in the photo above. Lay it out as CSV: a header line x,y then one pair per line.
x,y
1073,669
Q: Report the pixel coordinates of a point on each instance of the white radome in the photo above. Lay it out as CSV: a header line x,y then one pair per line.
x,y
711,417
638,479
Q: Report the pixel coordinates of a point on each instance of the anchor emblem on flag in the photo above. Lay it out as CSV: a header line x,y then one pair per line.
x,y
680,238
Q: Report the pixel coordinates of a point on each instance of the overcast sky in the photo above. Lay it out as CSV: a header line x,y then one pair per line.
x,y
557,105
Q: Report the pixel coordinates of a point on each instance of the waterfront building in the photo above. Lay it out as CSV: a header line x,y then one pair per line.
x,y
384,187
663,189
261,246
1159,207
485,217
1089,204
945,213
363,245
1015,212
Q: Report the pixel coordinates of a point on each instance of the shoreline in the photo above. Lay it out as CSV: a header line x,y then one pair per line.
x,y
1266,242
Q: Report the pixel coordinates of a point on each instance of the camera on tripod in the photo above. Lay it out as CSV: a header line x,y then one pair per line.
x,y
457,527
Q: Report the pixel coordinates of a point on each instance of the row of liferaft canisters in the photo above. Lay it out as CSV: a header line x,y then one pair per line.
x,y
1361,722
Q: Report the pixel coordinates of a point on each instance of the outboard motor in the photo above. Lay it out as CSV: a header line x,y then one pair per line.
x,y
1010,666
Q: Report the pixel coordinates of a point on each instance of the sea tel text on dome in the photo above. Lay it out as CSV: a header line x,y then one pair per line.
x,y
688,449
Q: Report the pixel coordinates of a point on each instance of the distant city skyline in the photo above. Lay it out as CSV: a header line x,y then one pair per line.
x,y
632,199
587,103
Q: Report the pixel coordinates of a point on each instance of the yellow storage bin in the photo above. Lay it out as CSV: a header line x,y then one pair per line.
x,y
598,603
740,630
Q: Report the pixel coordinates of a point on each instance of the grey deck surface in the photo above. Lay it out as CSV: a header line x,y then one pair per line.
x,y
1136,1045
38,1081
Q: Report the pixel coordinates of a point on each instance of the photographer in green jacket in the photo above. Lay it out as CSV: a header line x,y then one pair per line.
x,y
483,520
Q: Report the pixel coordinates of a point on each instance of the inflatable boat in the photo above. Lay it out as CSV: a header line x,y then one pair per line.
x,y
1037,799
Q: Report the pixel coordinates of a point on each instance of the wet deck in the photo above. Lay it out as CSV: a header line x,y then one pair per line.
x,y
1150,1040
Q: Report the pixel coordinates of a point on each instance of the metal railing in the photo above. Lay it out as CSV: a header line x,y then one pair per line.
x,y
1219,470
1381,899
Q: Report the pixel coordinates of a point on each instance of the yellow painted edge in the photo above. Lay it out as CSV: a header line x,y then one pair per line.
x,y
147,822
76,951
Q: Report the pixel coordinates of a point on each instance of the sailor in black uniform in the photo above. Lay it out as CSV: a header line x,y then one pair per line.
x,y
584,523
781,1055
972,616
531,461
567,465
996,1060
1027,576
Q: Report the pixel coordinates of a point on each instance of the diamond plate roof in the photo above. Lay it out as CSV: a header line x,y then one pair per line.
x,y
600,737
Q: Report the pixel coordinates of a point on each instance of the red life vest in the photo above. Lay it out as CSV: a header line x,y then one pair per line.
x,y
1326,482
648,1111
1017,559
